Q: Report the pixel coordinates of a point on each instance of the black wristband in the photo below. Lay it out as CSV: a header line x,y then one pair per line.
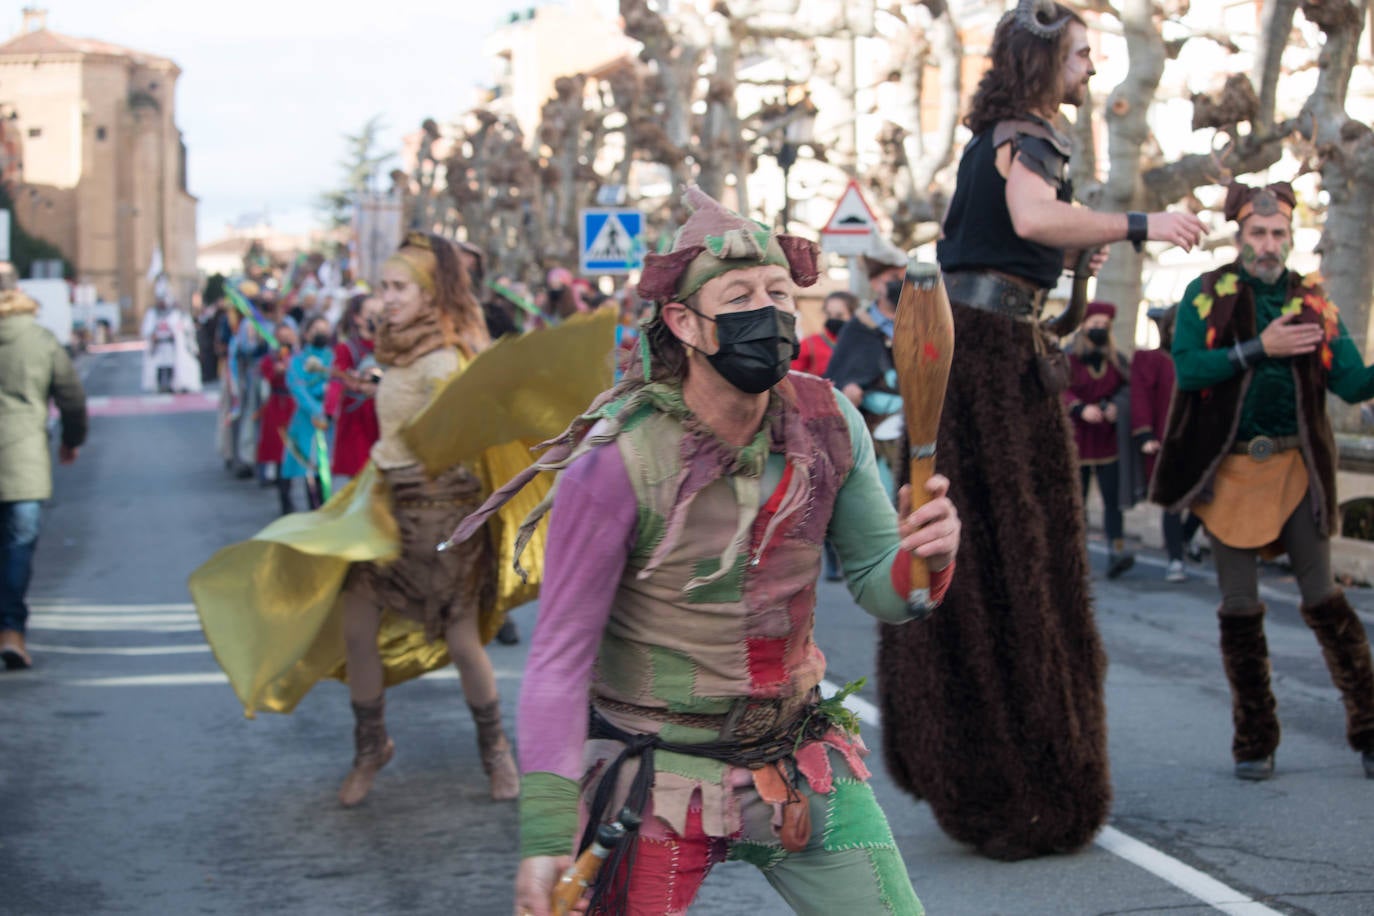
x,y
1244,356
1137,228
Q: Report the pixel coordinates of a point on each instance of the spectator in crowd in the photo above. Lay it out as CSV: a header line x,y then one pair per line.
x,y
1097,383
307,437
169,360
861,364
353,385
34,370
814,357
276,412
1152,386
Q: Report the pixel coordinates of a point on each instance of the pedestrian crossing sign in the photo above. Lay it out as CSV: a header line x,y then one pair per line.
x,y
612,241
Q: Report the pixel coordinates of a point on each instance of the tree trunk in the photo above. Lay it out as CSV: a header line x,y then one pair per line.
x,y
1127,131
1346,151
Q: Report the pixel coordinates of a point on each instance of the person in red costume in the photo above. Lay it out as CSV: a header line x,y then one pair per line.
x,y
276,411
349,398
838,307
1097,375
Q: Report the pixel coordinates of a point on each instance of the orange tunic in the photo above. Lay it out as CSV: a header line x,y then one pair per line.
x,y
1253,499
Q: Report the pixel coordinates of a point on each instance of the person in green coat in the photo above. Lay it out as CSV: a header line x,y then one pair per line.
x,y
34,369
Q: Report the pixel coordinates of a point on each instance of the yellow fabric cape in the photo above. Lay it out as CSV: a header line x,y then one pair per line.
x,y
268,605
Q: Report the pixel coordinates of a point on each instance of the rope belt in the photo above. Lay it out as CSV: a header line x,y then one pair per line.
x,y
757,752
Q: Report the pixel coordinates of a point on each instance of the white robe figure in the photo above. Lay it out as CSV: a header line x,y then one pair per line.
x,y
170,344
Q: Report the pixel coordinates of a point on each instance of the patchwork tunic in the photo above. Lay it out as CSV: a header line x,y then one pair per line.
x,y
680,583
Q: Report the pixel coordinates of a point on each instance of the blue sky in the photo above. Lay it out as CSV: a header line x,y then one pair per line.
x,y
268,88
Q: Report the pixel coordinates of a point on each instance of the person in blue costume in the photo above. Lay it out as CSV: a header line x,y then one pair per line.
x,y
307,377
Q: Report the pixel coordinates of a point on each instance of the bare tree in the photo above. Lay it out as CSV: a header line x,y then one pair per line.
x,y
905,182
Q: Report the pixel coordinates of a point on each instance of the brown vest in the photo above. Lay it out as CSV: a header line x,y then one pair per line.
x,y
1202,424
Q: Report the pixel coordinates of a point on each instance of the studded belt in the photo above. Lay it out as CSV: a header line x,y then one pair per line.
x,y
994,292
1262,448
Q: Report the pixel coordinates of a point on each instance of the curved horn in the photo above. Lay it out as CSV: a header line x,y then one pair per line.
x,y
1037,17
1067,321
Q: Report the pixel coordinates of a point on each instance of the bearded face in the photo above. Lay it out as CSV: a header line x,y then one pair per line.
x,y
1265,241
1078,67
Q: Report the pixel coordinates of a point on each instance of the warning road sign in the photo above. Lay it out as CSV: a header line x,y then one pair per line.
x,y
852,227
612,241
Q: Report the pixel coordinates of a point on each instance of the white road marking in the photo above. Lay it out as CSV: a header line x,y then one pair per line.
x,y
1181,875
170,623
217,678
153,680
65,608
119,650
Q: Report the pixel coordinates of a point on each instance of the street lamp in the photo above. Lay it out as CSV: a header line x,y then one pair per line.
x,y
797,128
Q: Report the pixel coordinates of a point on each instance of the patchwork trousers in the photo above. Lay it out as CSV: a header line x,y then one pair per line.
x,y
851,864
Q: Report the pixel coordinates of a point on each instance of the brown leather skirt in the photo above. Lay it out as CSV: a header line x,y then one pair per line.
x,y
423,584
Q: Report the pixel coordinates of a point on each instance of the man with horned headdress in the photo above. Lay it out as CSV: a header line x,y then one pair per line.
x,y
679,599
994,713
1249,449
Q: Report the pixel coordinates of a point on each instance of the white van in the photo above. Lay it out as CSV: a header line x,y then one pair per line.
x,y
54,298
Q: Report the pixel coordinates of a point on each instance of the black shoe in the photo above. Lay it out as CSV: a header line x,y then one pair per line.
x,y
1368,758
1194,553
1118,563
243,472
1262,769
509,634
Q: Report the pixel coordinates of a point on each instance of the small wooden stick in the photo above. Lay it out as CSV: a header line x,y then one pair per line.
x,y
578,879
922,347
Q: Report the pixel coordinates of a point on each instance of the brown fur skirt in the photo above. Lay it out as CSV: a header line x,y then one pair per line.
x,y
425,585
993,707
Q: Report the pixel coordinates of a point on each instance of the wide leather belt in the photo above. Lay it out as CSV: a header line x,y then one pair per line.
x,y
1262,448
995,293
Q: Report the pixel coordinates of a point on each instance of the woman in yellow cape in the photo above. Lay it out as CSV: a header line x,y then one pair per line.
x,y
357,589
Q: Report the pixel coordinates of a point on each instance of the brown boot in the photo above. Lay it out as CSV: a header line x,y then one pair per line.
x,y
1245,656
1346,650
495,749
374,751
12,650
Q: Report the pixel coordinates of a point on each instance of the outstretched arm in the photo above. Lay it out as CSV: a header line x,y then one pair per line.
x,y
1039,216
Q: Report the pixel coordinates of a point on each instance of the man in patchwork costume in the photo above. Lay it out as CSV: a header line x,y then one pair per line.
x,y
679,595
1249,449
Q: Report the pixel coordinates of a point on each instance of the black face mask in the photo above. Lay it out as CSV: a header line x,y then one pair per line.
x,y
833,326
756,347
319,341
1098,337
894,292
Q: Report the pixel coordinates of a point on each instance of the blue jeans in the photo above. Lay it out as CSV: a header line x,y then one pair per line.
x,y
18,540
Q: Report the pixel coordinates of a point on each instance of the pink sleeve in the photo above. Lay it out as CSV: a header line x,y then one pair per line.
x,y
591,529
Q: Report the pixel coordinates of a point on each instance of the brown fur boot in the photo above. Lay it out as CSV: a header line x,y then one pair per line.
x,y
1346,650
497,760
1245,656
374,750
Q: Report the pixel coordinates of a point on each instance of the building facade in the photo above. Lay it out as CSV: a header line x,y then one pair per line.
x,y
103,170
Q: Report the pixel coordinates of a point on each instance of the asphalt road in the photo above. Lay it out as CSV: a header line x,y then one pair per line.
x,y
131,783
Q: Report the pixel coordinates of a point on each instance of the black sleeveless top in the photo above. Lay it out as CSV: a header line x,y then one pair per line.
x,y
978,233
